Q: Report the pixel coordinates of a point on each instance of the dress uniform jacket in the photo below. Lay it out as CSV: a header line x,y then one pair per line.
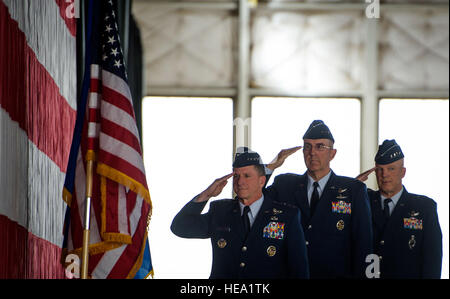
x,y
274,248
410,242
339,234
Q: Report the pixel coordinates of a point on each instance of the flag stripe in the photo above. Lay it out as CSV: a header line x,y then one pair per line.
x,y
14,192
131,204
117,87
34,18
31,257
117,99
112,207
71,23
115,115
113,258
94,99
122,211
121,134
93,115
95,86
124,167
117,224
93,130
48,118
45,213
139,233
111,145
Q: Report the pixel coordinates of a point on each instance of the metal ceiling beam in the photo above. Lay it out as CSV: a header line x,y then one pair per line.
x,y
275,92
346,6
231,92
229,5
292,6
414,94
191,92
310,6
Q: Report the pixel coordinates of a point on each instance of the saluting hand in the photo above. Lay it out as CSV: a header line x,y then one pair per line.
x,y
282,156
363,176
214,189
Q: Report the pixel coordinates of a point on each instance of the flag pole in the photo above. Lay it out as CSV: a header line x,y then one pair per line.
x,y
87,219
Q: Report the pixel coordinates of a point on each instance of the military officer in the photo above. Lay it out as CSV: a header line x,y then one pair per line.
x,y
335,210
252,236
407,234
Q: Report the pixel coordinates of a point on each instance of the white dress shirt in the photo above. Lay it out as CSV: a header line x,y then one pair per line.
x,y
394,201
322,182
254,209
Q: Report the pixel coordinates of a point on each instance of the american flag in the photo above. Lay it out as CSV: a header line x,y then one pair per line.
x,y
37,117
106,133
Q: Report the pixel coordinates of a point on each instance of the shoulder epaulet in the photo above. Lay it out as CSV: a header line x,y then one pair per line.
x,y
291,175
284,204
347,180
422,198
223,201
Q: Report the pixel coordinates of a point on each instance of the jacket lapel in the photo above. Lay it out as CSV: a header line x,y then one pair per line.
x,y
399,209
326,195
377,212
301,197
237,224
260,220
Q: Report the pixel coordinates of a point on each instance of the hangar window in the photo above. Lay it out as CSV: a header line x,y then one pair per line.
x,y
188,142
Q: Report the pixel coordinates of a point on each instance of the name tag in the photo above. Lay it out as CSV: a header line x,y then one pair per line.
x,y
274,230
341,207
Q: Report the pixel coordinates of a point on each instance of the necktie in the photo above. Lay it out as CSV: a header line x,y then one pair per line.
x,y
314,198
386,208
246,220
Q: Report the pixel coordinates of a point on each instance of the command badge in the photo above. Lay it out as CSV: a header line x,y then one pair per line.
x,y
271,250
221,243
340,225
412,242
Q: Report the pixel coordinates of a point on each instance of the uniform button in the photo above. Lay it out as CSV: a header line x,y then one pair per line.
x,y
307,243
242,265
310,226
381,257
244,248
382,242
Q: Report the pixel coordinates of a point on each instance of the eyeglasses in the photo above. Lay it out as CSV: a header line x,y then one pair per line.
x,y
318,147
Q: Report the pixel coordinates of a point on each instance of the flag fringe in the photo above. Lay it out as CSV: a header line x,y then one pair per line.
x,y
96,248
112,241
151,273
67,196
125,180
138,263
